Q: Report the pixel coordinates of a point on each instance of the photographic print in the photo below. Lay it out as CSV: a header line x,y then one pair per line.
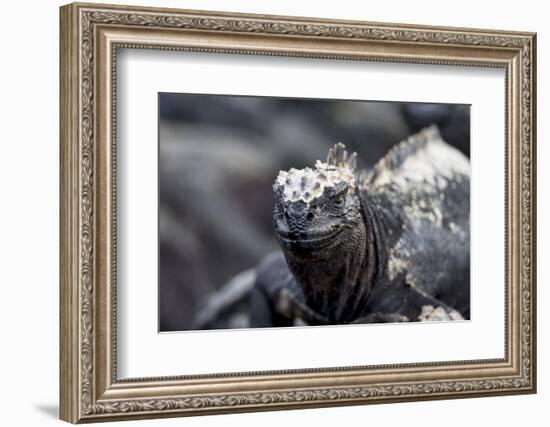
x,y
305,212
235,181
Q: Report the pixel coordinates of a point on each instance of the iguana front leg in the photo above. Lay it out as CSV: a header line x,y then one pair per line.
x,y
407,303
382,318
421,306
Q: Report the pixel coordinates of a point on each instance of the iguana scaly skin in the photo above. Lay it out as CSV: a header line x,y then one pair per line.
x,y
387,245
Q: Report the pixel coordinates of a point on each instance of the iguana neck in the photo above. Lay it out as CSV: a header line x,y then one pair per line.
x,y
337,285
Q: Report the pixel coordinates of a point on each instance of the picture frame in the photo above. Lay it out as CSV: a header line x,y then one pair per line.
x,y
91,37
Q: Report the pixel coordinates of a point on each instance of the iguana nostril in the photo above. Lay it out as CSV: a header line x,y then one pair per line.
x,y
309,216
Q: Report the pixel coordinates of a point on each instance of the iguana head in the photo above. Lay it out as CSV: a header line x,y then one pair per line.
x,y
317,209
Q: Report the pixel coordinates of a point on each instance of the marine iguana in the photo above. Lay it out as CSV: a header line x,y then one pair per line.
x,y
388,245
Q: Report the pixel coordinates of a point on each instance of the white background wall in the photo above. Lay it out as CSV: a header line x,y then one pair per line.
x,y
29,171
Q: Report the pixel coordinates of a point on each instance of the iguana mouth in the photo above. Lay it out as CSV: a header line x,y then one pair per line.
x,y
309,240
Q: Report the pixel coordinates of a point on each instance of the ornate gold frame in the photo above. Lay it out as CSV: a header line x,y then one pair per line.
x,y
90,36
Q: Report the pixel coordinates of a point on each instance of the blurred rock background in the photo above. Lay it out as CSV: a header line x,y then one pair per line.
x,y
218,157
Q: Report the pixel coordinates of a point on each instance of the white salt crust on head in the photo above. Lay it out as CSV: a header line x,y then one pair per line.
x,y
308,184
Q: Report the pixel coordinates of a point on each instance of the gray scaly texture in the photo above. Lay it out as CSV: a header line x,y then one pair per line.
x,y
386,245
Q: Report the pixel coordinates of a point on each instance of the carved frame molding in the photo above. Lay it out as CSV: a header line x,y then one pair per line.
x,y
90,37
